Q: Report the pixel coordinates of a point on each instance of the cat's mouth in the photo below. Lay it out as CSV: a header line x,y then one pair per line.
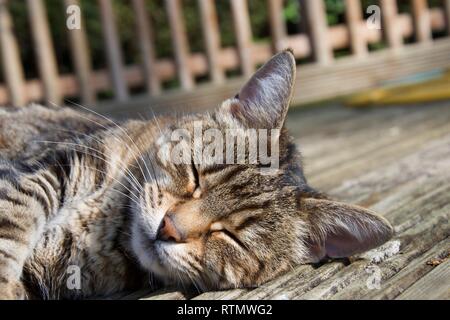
x,y
156,256
168,261
144,249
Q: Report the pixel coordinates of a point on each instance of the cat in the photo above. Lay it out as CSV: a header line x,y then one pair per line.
x,y
80,192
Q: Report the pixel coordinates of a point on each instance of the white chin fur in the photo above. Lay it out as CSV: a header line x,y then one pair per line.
x,y
146,255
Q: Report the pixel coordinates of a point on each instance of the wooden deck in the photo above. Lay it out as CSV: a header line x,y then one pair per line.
x,y
395,160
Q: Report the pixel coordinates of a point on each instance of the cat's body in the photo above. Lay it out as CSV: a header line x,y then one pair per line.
x,y
90,227
82,193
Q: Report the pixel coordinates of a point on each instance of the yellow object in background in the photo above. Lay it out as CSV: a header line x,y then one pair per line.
x,y
425,91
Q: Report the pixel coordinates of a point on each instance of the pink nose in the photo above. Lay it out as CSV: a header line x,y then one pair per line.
x,y
168,231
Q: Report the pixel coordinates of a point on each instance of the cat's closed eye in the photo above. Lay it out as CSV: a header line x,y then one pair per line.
x,y
218,228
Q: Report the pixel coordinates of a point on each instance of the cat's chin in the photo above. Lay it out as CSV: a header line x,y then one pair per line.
x,y
144,251
152,256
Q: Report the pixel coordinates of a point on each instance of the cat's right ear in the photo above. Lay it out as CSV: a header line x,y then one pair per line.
x,y
264,100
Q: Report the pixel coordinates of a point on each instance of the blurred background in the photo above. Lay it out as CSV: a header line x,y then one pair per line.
x,y
192,54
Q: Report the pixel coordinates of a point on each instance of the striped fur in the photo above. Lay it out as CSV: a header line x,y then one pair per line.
x,y
80,190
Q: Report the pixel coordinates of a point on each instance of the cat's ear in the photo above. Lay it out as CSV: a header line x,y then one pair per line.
x,y
264,100
340,230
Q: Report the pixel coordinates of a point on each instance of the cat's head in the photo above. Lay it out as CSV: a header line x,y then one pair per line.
x,y
232,225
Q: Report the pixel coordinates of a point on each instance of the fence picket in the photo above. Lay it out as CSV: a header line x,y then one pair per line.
x,y
392,33
358,42
319,41
45,52
212,39
318,30
146,43
9,52
81,58
113,50
180,43
447,14
241,20
277,24
422,20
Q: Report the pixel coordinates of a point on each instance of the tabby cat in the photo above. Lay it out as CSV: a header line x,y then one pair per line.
x,y
78,190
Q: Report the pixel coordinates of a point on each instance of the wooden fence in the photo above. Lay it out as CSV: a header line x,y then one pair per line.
x,y
326,76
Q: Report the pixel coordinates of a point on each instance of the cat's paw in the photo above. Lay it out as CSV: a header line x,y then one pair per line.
x,y
13,290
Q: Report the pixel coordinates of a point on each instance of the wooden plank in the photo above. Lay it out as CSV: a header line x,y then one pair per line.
x,y
12,65
392,122
427,205
148,56
422,20
389,15
421,216
362,164
374,142
243,32
81,58
395,195
180,43
165,294
130,295
408,276
401,270
434,286
221,295
211,33
318,30
358,41
288,287
277,24
45,53
113,50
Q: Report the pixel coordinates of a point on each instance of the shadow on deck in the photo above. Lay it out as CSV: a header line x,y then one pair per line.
x,y
395,160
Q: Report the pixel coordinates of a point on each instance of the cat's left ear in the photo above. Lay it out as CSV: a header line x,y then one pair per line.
x,y
264,100
340,230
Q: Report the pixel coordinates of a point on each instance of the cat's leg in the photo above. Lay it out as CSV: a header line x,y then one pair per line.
x,y
27,201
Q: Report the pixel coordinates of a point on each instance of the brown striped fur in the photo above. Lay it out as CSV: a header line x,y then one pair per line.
x,y
77,189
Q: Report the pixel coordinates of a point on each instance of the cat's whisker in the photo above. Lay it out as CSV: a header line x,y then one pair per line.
x,y
113,134
155,119
194,281
127,135
92,136
73,145
101,171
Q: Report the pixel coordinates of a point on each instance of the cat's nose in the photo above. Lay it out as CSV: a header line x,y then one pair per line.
x,y
168,231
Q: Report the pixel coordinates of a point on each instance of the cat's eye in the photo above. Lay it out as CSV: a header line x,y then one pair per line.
x,y
216,227
219,228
